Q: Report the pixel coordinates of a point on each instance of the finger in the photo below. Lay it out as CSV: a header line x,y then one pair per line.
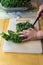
x,y
22,36
35,29
39,12
20,33
24,30
27,39
30,28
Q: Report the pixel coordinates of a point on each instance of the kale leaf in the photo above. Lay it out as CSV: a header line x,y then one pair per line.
x,y
11,36
14,36
23,26
5,36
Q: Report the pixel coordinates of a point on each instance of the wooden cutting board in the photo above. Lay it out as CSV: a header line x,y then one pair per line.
x,y
27,47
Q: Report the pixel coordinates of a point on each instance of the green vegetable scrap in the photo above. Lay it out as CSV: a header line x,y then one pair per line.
x,y
23,26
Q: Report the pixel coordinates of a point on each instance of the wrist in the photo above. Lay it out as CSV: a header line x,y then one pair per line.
x,y
40,34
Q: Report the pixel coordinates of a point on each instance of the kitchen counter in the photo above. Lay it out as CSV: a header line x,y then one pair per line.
x,y
16,58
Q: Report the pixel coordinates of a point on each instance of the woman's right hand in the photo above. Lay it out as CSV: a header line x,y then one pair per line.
x,y
40,10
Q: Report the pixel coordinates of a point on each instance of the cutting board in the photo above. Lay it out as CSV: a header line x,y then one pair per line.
x,y
27,47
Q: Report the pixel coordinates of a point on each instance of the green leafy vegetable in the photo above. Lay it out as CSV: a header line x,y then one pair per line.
x,y
14,36
5,36
23,26
15,3
0,0
11,36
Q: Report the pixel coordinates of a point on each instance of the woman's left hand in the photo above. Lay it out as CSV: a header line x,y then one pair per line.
x,y
30,34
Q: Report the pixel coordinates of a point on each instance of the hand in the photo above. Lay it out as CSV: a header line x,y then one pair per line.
x,y
29,34
40,10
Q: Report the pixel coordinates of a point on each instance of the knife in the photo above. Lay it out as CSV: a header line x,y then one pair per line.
x,y
38,18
